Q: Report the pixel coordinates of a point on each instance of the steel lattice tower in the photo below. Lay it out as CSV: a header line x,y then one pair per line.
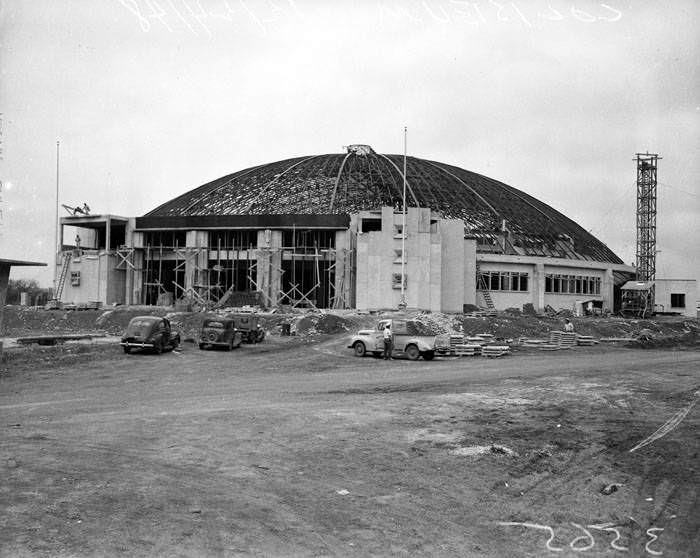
x,y
646,218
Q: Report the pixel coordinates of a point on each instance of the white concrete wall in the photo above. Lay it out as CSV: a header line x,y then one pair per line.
x,y
439,264
454,266
469,272
538,268
100,281
666,287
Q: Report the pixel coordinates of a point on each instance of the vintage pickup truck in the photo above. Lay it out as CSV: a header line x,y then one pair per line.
x,y
412,339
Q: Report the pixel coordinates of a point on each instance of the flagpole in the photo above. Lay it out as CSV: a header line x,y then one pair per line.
x,y
57,248
402,304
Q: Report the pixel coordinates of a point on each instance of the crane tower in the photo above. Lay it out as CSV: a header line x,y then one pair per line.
x,y
646,221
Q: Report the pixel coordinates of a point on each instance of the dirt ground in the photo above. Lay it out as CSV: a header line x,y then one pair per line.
x,y
296,448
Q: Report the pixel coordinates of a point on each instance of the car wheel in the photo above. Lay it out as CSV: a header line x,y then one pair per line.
x,y
360,349
127,350
429,355
158,346
412,352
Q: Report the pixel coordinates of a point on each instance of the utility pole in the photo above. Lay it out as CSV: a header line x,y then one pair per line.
x,y
402,303
57,247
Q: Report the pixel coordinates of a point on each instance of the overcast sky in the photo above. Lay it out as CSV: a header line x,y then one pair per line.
x,y
151,98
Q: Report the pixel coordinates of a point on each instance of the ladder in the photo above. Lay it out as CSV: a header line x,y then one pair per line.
x,y
484,288
62,277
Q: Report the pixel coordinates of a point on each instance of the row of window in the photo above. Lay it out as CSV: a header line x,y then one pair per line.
x,y
243,239
553,283
571,284
502,281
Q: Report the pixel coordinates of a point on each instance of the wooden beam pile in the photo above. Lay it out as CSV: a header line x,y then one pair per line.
x,y
495,350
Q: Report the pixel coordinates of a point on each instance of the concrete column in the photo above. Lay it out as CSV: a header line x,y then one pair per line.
x,y
452,275
269,265
343,268
134,276
469,272
537,287
607,290
196,251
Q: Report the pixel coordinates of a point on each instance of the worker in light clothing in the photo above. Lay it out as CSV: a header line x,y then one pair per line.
x,y
388,342
568,326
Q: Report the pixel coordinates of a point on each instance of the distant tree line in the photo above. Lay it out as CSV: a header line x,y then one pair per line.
x,y
37,296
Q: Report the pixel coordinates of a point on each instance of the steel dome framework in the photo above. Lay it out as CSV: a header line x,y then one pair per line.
x,y
502,218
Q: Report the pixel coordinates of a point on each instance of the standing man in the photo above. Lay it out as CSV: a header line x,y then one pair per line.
x,y
568,326
388,342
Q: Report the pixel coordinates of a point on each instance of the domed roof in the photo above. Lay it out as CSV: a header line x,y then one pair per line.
x,y
361,179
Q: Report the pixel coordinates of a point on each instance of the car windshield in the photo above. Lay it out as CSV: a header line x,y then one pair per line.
x,y
215,324
140,326
139,323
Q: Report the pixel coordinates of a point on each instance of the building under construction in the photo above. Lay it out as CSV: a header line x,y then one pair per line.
x,y
330,231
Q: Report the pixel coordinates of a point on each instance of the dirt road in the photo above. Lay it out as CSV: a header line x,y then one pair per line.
x,y
284,449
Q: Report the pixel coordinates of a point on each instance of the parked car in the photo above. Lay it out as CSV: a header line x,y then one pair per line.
x,y
220,332
249,325
412,339
150,332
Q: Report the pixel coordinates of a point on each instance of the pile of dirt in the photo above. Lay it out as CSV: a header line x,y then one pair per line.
x,y
312,324
667,330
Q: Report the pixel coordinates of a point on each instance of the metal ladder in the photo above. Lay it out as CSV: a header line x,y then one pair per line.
x,y
484,288
62,277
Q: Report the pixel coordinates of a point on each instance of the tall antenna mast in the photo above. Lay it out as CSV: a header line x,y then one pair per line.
x,y
402,303
646,220
57,247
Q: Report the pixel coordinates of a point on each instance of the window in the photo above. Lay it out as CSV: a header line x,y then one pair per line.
x,y
370,225
398,231
677,300
502,281
571,284
396,281
398,256
75,278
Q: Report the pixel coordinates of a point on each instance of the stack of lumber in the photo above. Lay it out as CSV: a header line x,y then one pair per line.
x,y
470,350
586,340
459,347
526,342
562,338
474,340
481,314
495,350
486,337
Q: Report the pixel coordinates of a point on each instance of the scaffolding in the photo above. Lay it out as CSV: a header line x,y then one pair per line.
x,y
309,275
